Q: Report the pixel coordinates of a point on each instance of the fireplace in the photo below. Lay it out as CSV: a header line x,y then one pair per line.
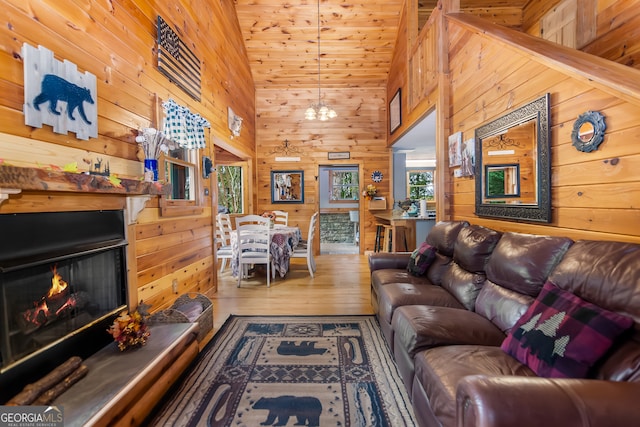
x,y
63,279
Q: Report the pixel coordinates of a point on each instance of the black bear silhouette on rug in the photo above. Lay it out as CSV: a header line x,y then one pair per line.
x,y
56,89
305,348
306,409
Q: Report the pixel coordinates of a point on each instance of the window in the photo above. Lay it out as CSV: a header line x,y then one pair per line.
x,y
178,169
343,185
420,184
180,172
230,189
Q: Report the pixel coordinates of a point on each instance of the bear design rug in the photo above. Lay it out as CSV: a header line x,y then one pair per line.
x,y
293,370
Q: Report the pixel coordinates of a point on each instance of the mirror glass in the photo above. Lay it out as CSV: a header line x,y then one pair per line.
x,y
287,186
502,181
513,165
585,132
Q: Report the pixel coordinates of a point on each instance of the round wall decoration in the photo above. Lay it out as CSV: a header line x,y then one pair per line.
x,y
376,176
588,131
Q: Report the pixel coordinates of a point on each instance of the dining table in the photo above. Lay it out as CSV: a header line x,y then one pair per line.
x,y
283,240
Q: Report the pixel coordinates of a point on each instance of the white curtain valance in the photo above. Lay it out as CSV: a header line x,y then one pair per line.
x,y
184,127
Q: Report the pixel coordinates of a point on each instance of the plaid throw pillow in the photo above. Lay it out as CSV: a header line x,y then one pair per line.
x,y
563,336
421,259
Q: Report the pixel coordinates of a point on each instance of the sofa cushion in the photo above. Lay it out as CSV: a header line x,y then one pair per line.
x,y
438,268
522,262
474,246
381,278
463,285
604,273
562,335
418,327
396,295
502,306
439,370
421,259
443,235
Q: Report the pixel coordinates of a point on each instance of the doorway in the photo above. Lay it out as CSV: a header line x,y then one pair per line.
x,y
339,194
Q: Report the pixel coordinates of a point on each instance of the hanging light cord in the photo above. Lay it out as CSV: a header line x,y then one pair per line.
x,y
319,111
318,53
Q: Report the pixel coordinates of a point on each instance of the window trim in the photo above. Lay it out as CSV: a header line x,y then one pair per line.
x,y
330,172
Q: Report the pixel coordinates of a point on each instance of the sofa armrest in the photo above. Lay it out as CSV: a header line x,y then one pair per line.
x,y
386,260
502,401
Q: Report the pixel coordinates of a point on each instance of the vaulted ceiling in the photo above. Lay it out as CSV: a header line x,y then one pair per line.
x,y
356,41
357,38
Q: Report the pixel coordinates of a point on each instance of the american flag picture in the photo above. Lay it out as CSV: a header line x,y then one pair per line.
x,y
177,62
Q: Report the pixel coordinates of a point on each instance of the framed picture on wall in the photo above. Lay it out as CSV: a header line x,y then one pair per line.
x,y
468,157
395,111
287,186
339,155
455,149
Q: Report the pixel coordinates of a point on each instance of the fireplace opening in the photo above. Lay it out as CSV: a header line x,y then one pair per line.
x,y
62,282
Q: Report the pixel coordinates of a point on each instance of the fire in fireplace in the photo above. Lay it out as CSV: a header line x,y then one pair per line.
x,y
62,281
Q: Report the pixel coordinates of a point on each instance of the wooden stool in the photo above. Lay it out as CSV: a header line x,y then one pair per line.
x,y
383,238
388,236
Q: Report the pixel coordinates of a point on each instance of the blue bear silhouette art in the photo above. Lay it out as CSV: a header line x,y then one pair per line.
x,y
306,409
56,89
305,348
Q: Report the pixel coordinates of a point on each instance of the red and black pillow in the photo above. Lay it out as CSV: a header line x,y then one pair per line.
x,y
421,259
563,336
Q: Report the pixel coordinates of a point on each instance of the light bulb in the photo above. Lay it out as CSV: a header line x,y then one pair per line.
x,y
310,114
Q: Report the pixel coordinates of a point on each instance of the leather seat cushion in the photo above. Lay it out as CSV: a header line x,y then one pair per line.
x,y
417,327
383,277
396,295
439,370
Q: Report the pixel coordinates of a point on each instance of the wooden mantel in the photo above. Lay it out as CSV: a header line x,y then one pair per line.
x,y
15,179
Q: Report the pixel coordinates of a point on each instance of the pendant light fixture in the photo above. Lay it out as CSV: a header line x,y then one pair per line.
x,y
319,111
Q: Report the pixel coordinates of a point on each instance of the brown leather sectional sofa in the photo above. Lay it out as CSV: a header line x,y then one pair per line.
x,y
445,328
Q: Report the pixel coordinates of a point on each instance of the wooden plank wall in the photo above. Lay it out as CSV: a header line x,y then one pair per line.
x,y
115,40
594,195
360,129
617,27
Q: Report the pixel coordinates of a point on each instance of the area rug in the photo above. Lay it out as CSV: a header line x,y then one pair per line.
x,y
293,370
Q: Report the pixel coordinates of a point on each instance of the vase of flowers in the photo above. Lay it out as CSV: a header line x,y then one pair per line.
x,y
272,217
130,330
370,192
153,143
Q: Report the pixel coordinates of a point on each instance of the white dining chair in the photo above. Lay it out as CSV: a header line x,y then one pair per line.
x,y
282,218
254,243
224,250
305,247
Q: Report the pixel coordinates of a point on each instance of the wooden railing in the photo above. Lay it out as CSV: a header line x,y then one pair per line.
x,y
423,67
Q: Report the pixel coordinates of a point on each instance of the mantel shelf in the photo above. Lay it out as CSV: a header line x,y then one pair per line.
x,y
14,178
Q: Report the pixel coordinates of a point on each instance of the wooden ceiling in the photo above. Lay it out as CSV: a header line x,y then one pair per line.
x,y
356,39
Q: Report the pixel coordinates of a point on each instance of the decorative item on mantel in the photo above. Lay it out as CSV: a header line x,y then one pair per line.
x,y
153,143
130,330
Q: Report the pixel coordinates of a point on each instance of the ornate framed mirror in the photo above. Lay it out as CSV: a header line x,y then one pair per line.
x,y
513,171
588,131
